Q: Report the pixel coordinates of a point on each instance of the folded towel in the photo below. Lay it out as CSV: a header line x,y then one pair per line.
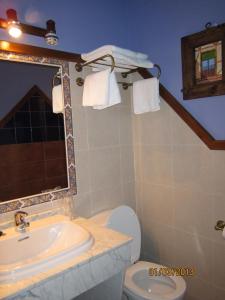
x,y
57,99
101,90
123,58
111,49
146,95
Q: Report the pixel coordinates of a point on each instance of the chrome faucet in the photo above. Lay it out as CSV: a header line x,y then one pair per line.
x,y
20,221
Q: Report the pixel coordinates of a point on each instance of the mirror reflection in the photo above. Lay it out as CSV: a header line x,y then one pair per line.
x,y
32,141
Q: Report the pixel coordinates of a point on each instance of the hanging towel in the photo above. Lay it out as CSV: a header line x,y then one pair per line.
x,y
101,90
57,99
113,93
146,95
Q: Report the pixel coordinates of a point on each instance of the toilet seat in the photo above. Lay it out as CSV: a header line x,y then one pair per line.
x,y
173,286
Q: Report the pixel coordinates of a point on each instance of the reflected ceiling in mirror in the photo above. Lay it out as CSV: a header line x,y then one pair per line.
x,y
36,144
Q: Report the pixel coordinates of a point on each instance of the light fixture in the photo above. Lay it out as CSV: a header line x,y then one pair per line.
x,y
16,28
51,37
13,26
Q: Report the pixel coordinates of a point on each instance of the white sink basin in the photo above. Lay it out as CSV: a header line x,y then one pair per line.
x,y
47,243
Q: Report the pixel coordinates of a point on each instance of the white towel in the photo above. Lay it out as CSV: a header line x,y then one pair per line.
x,y
111,49
146,95
123,57
57,99
101,90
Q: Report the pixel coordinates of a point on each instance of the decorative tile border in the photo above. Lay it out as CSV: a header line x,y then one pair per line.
x,y
72,189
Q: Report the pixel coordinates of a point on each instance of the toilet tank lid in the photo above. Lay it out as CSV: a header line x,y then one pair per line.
x,y
122,219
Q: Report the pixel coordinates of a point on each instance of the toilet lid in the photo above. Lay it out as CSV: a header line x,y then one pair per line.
x,y
140,283
124,219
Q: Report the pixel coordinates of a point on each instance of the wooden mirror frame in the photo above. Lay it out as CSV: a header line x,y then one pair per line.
x,y
192,90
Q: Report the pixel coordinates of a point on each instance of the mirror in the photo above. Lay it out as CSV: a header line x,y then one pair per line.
x,y
32,137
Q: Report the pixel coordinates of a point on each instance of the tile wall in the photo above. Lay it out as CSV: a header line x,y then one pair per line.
x,y
103,153
180,187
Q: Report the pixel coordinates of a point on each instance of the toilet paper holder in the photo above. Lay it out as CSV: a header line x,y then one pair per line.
x,y
220,225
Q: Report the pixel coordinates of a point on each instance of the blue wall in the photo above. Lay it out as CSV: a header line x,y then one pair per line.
x,y
151,26
82,25
158,26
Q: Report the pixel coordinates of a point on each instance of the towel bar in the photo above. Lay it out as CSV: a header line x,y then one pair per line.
x,y
125,85
125,74
79,67
101,61
56,76
80,82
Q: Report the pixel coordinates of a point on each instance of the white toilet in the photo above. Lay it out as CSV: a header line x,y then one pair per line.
x,y
138,284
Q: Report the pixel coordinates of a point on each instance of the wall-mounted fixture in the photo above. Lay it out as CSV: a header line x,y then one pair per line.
x,y
13,25
16,28
51,37
102,62
203,63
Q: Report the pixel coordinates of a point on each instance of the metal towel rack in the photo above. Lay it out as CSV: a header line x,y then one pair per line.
x,y
79,66
57,76
101,61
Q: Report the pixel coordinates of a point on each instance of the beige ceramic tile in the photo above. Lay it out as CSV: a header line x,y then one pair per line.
x,y
136,129
187,296
157,203
199,289
182,134
219,265
218,293
106,198
156,127
125,125
218,171
80,128
218,214
157,241
157,164
193,251
138,197
103,127
105,168
137,163
149,247
82,171
128,194
192,167
127,163
193,211
82,205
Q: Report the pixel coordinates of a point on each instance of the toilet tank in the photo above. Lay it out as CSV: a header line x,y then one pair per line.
x,y
122,219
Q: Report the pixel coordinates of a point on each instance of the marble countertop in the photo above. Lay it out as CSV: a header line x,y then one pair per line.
x,y
106,240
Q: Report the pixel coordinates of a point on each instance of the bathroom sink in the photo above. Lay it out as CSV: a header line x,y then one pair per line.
x,y
47,243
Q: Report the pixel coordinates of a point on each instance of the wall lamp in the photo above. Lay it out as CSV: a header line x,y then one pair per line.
x,y
15,28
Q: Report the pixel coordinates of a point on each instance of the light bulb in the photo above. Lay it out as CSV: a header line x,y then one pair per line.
x,y
14,29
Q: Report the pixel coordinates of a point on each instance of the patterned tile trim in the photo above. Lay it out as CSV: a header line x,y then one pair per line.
x,y
53,195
